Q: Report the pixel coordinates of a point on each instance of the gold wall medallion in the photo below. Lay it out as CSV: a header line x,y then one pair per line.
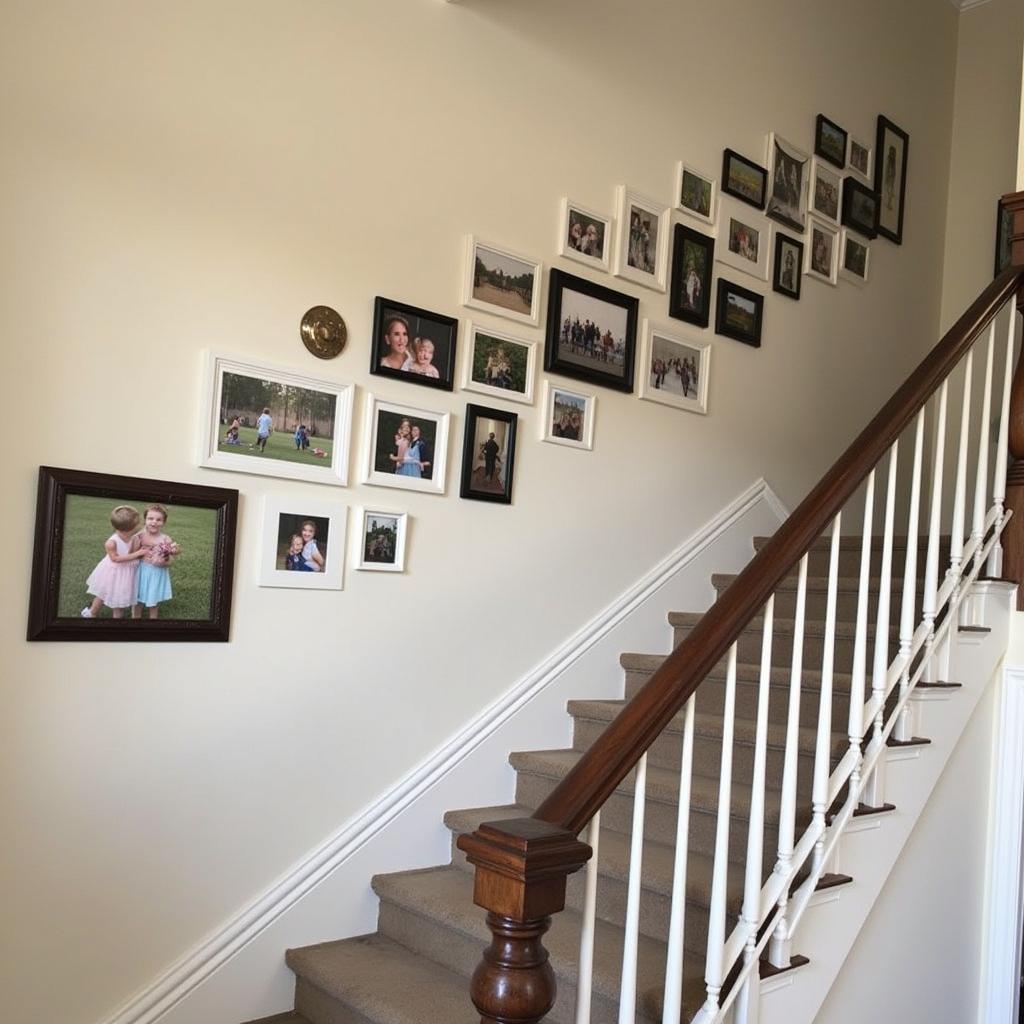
x,y
323,332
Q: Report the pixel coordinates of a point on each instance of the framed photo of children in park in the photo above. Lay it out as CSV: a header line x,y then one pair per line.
x,y
126,558
674,371
689,296
585,236
274,421
488,454
499,365
641,245
568,417
406,447
413,344
501,282
891,148
591,332
302,543
381,540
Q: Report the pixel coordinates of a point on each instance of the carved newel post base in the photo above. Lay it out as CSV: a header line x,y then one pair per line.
x,y
521,868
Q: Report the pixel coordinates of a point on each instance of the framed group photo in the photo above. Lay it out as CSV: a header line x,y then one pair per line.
x,y
674,371
585,236
568,417
381,540
406,447
488,454
641,247
891,147
502,282
499,365
413,344
689,294
302,543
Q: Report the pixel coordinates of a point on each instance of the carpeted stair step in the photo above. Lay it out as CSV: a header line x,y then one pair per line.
x,y
850,552
281,1018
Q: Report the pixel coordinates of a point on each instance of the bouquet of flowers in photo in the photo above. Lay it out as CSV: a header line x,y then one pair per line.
x,y
163,552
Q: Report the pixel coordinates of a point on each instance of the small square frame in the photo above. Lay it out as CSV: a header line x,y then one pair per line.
x,y
831,150
401,527
547,433
731,213
683,170
602,262
473,331
439,453
333,574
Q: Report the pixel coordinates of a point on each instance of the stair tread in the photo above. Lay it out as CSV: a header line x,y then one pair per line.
x,y
784,627
852,542
819,584
747,672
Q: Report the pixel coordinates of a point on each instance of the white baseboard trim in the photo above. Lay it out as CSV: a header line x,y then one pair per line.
x,y
198,965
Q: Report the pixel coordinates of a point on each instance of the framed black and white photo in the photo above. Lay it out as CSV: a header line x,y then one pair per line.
x,y
696,193
502,282
822,255
1004,228
860,207
789,265
488,454
641,247
830,141
302,544
858,159
585,236
892,146
673,370
568,417
856,254
406,447
826,191
689,295
739,313
746,239
744,179
380,540
788,169
413,344
591,332
499,364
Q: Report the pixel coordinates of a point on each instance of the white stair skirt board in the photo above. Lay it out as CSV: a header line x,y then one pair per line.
x,y
238,973
829,930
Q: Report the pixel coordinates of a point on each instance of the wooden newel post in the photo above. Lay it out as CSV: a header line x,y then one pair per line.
x,y
1013,535
521,870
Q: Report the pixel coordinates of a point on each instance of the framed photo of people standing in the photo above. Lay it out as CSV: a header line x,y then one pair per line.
x,y
488,454
406,447
693,256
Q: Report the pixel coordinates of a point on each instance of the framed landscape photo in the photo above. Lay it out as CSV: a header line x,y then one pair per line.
x,y
128,558
855,257
303,543
689,294
858,159
381,540
739,313
696,193
860,207
674,371
413,344
406,447
502,282
830,141
746,239
585,236
892,146
744,179
274,421
568,417
591,332
822,255
787,276
488,454
641,248
499,365
826,191
788,169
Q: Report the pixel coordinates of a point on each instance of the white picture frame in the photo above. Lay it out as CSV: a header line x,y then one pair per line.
x,y
825,200
388,416
849,258
498,340
787,200
490,293
561,402
226,376
814,261
673,354
287,517
864,155
704,209
365,556
577,217
745,238
639,217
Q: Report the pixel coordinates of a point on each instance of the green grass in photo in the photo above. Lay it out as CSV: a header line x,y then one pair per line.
x,y
280,445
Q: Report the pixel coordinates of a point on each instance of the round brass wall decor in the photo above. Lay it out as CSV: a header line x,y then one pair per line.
x,y
323,332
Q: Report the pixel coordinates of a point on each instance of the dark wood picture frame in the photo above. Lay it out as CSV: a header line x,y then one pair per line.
x,y
883,173
55,487
443,334
822,149
731,157
853,187
1004,228
556,361
723,326
476,489
778,269
680,305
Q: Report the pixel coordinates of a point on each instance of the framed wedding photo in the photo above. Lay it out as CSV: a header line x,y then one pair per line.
x,y
303,543
826,190
822,254
585,236
501,282
499,365
746,239
696,193
381,540
830,141
488,454
674,371
413,344
739,313
119,558
568,417
860,207
858,159
689,294
891,148
787,276
788,169
273,421
744,179
406,447
855,257
591,332
641,247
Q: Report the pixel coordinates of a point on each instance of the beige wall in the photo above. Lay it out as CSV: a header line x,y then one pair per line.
x,y
178,176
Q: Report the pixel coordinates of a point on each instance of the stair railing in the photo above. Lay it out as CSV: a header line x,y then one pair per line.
x,y
522,864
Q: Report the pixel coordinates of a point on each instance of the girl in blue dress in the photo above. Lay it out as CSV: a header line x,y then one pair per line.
x,y
153,582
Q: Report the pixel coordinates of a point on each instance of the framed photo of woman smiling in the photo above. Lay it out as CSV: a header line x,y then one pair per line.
x,y
413,344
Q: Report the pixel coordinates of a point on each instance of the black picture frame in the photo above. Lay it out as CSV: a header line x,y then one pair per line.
x,y
784,269
891,176
1004,228
856,197
732,164
56,487
564,355
478,481
440,330
687,243
826,141
725,319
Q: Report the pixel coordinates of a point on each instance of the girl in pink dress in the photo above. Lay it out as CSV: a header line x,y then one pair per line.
x,y
112,582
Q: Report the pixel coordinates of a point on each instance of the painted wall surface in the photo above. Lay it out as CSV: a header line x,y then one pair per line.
x,y
176,177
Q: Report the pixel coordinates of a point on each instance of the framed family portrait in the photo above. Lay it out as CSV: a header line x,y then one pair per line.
x,y
746,239
830,141
789,265
744,179
568,417
591,332
822,255
499,365
406,447
689,296
674,371
892,145
696,193
302,543
739,313
641,248
273,421
855,256
127,558
858,159
381,540
501,282
585,236
826,190
488,454
860,207
788,169
413,344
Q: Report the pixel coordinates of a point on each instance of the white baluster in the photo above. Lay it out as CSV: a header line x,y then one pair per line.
x,y
929,603
858,679
627,988
981,479
585,983
995,558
